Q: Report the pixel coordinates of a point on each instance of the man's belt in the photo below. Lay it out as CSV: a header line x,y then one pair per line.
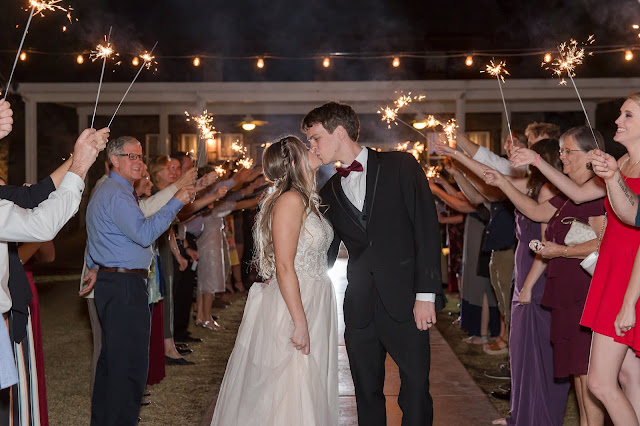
x,y
143,272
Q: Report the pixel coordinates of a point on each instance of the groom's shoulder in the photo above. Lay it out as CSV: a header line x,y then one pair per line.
x,y
326,188
395,157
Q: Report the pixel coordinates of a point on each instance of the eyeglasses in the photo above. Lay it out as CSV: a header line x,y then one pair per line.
x,y
566,151
133,157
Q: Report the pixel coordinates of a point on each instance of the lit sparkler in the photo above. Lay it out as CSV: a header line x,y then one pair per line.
x,y
239,148
148,62
433,171
571,55
448,128
247,163
36,7
207,130
390,114
499,71
403,146
432,121
103,52
220,170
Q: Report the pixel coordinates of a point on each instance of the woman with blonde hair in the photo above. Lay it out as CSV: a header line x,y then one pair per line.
x,y
283,368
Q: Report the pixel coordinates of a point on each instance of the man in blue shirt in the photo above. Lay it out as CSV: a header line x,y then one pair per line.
x,y
118,240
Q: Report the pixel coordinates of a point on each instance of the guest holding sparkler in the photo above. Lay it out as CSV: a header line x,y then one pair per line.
x,y
611,306
567,284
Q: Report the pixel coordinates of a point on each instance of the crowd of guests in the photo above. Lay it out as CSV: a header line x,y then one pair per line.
x,y
190,238
520,227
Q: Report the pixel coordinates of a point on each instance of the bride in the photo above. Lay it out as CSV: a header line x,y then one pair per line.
x,y
283,369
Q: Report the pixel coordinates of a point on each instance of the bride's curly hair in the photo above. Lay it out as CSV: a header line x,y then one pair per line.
x,y
286,166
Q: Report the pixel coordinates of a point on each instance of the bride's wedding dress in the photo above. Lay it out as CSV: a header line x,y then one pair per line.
x,y
268,381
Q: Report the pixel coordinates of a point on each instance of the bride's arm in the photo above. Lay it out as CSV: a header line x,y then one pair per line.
x,y
286,222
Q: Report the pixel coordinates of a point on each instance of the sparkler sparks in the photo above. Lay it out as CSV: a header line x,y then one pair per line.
x,y
390,114
40,6
247,163
239,148
496,70
220,170
102,52
448,128
432,121
433,171
571,54
205,125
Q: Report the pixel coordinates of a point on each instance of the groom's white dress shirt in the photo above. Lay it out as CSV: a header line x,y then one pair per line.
x,y
355,188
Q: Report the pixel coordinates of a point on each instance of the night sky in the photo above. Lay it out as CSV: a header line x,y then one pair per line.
x,y
232,29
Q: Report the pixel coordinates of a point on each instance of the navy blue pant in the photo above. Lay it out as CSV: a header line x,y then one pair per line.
x,y
121,374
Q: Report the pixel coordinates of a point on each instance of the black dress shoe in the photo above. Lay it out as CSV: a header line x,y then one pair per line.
x,y
182,345
501,394
147,393
188,339
177,361
184,351
145,402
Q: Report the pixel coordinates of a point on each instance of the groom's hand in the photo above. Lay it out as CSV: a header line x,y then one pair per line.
x,y
424,314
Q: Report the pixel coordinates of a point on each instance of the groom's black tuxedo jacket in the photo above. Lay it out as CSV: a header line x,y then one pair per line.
x,y
394,243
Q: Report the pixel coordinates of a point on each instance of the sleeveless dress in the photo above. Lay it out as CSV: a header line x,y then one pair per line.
x,y
566,291
268,381
618,250
536,398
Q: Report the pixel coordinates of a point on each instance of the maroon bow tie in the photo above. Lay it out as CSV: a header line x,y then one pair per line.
x,y
354,167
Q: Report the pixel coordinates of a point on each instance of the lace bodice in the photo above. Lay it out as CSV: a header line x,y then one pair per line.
x,y
313,244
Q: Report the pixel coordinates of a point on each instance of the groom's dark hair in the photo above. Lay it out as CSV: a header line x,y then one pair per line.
x,y
332,115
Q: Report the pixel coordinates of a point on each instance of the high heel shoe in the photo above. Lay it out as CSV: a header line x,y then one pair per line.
x,y
212,325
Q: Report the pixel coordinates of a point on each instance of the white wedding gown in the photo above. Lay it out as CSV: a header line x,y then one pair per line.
x,y
268,381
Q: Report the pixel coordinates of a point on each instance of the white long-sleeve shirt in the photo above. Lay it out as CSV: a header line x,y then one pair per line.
x,y
35,225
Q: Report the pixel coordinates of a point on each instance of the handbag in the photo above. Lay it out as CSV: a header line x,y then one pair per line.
x,y
579,232
589,262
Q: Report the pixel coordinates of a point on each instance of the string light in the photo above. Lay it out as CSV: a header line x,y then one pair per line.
x,y
196,62
396,62
547,57
64,28
326,62
135,61
80,59
628,55
635,26
23,56
260,63
469,61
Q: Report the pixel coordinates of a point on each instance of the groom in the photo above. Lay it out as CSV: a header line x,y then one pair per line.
x,y
381,207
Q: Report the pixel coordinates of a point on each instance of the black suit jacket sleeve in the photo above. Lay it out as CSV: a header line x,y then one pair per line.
x,y
422,213
28,197
333,251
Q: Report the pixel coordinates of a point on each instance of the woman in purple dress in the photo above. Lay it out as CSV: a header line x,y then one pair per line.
x,y
567,283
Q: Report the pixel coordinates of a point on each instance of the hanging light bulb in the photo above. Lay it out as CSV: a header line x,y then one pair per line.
x,y
547,57
326,62
635,26
196,62
80,59
248,126
64,28
469,61
23,56
260,63
628,55
420,125
396,62
135,61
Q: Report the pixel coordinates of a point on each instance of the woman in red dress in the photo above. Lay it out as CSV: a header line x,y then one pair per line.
x,y
614,367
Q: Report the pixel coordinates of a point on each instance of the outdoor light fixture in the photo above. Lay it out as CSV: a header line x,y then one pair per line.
x,y
135,61
547,57
326,62
196,62
80,59
396,62
64,28
635,26
260,63
248,126
469,61
23,56
628,55
420,125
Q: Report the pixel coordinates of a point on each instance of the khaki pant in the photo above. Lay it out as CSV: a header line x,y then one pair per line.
x,y
501,270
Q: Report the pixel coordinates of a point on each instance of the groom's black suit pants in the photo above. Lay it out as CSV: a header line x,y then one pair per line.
x,y
409,347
